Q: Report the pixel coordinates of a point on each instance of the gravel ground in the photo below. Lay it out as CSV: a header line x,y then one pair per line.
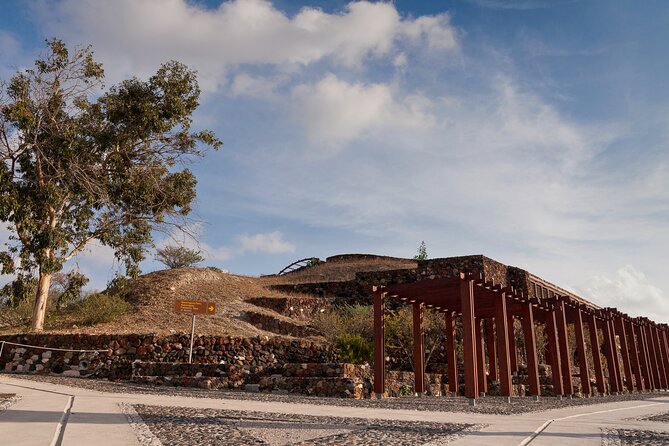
x,y
486,405
663,418
630,437
7,399
184,426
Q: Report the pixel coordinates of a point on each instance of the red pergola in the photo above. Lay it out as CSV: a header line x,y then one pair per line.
x,y
642,344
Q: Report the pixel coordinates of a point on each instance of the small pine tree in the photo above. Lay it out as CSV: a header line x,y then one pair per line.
x,y
422,252
178,256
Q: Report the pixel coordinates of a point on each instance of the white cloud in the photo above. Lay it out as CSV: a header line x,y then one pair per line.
x,y
629,291
133,37
333,111
254,86
263,243
269,243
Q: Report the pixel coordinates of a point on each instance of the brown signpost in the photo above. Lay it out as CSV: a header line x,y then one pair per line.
x,y
193,307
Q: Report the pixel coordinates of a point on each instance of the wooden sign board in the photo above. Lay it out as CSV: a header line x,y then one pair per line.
x,y
194,307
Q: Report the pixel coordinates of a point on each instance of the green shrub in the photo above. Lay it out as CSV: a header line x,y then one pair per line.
x,y
406,390
99,308
354,349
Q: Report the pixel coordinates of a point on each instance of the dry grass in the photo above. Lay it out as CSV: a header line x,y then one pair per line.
x,y
153,297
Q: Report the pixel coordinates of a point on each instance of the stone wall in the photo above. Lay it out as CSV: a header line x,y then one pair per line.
x,y
273,324
325,380
294,306
254,355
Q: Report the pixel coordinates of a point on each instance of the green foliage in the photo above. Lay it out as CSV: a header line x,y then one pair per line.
x,y
399,335
348,319
354,349
99,308
178,256
74,170
69,287
406,390
422,252
19,291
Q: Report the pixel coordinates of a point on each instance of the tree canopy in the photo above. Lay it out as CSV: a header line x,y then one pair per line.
x,y
81,165
178,256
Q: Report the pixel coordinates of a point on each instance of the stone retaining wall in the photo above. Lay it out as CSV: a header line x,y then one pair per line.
x,y
274,324
253,354
294,307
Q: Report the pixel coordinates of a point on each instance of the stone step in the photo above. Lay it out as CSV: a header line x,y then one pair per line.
x,y
300,308
278,324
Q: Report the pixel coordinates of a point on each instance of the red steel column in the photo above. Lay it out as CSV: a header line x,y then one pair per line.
x,y
418,349
379,345
664,348
565,354
614,345
501,319
619,326
554,352
513,349
610,355
492,349
660,360
596,353
582,355
643,355
451,352
469,337
480,357
634,355
652,356
530,349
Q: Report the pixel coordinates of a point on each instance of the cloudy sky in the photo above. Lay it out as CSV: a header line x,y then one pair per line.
x,y
534,132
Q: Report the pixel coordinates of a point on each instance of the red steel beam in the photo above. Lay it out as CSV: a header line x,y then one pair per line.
x,y
501,320
634,355
624,351
513,349
530,349
595,346
554,352
609,352
451,352
654,366
492,349
379,345
469,337
582,354
418,349
664,347
480,357
660,360
643,356
565,354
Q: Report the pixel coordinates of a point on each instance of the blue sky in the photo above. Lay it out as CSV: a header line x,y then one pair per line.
x,y
533,132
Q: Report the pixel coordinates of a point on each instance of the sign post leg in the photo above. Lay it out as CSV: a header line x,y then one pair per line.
x,y
192,335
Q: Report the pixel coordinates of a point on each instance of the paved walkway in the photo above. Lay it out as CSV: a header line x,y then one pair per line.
x,y
91,417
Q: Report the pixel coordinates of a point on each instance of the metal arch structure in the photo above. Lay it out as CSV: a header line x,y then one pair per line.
x,y
298,264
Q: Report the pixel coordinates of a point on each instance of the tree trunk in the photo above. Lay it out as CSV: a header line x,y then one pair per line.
x,y
39,310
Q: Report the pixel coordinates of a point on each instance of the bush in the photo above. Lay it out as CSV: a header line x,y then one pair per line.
x,y
99,308
354,349
349,319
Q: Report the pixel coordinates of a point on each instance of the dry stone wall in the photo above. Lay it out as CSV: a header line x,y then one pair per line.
x,y
254,355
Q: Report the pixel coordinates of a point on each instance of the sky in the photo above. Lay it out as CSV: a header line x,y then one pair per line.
x,y
535,132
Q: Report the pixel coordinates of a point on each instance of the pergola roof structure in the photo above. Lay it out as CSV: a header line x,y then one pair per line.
x,y
642,344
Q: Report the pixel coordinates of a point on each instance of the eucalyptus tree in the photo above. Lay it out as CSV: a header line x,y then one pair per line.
x,y
81,164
